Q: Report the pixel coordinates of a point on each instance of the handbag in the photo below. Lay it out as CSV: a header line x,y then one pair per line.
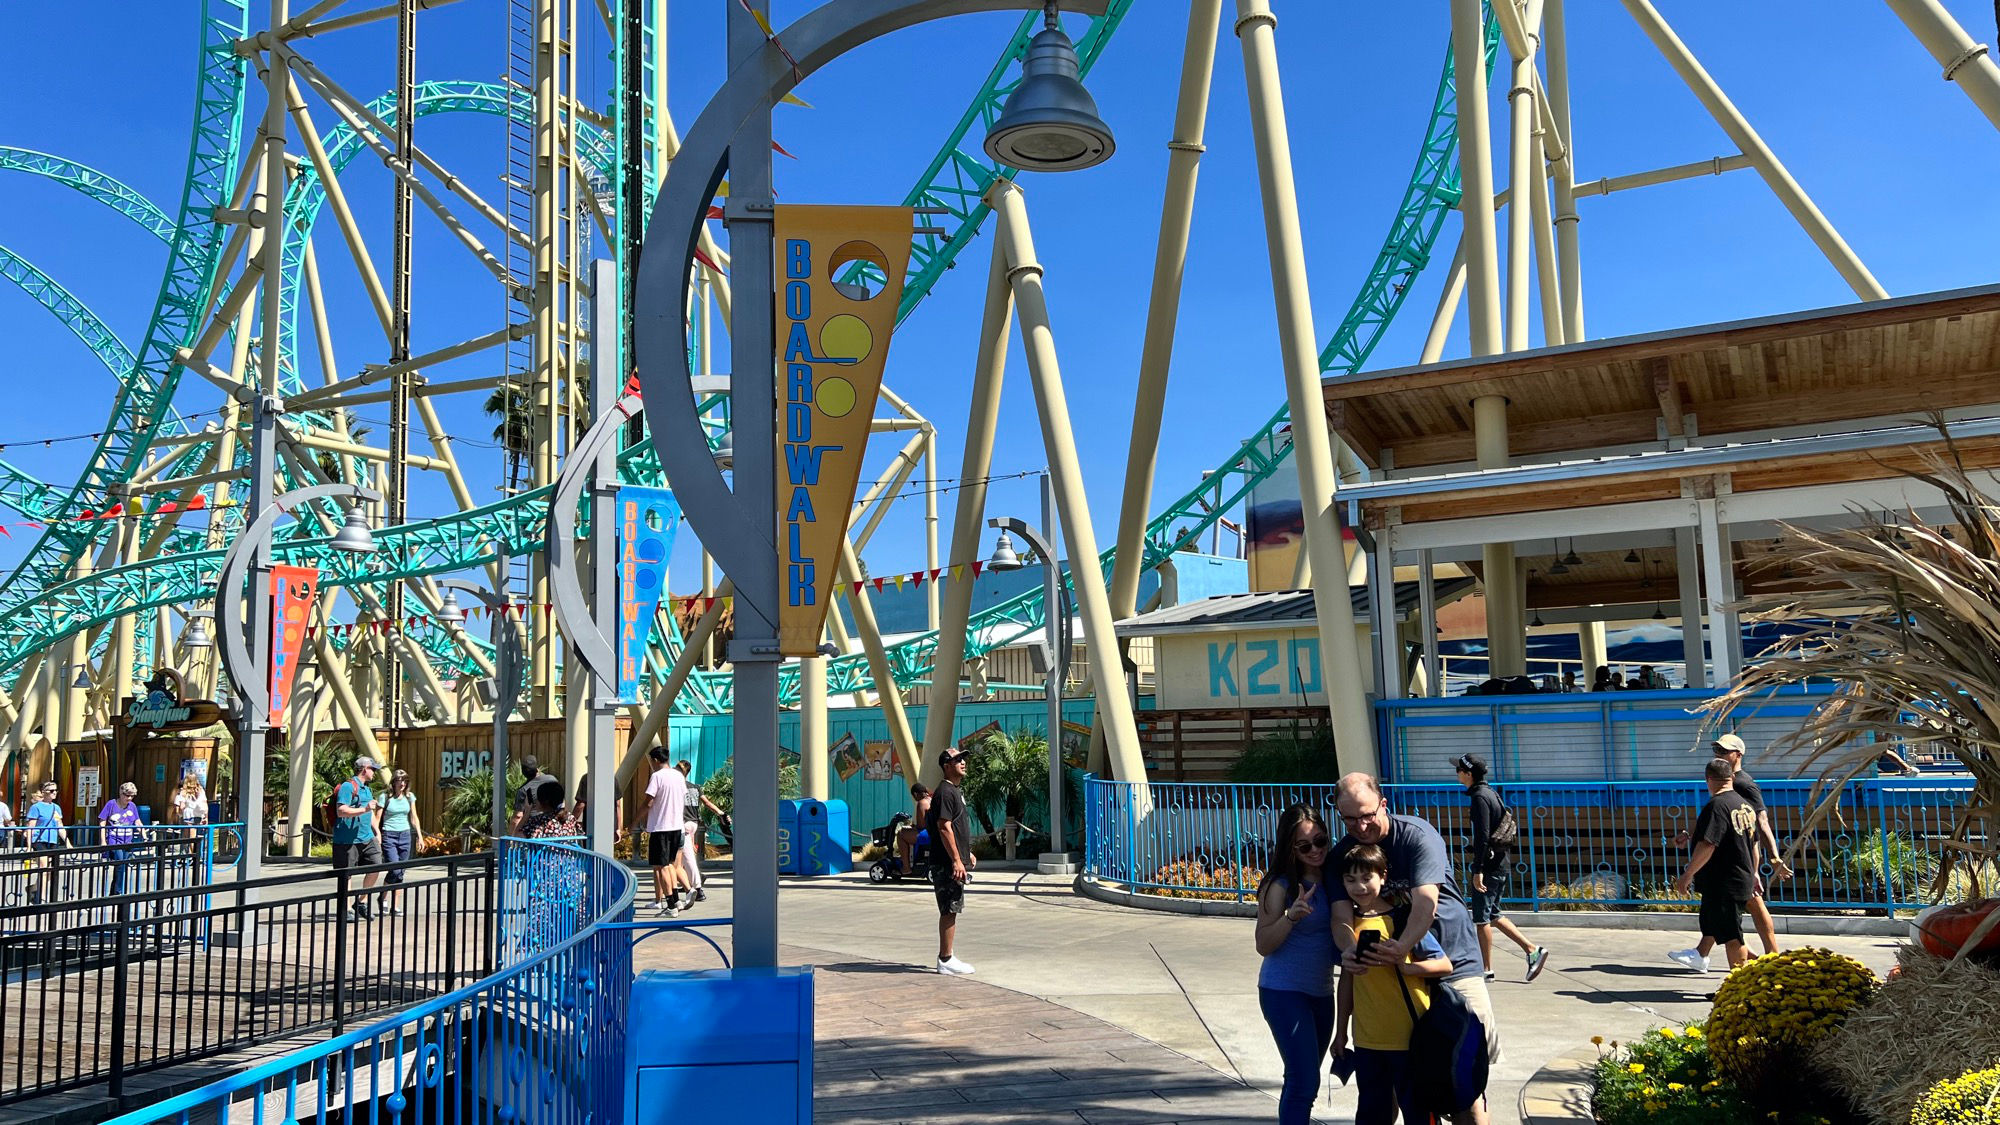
x,y
1448,1064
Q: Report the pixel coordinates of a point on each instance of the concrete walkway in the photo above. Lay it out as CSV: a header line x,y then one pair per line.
x,y
1183,982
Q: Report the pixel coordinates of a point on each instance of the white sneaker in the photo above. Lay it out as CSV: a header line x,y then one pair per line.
x,y
1691,960
953,967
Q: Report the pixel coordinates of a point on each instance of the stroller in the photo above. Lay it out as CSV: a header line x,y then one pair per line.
x,y
889,869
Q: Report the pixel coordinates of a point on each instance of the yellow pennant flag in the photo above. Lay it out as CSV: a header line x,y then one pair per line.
x,y
834,324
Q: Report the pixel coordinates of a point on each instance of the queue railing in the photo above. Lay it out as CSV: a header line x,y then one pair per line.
x,y
1582,844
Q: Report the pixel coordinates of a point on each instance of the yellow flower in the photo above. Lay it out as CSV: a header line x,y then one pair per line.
x,y
1636,1068
1694,1031
1597,1040
1675,1087
1669,1032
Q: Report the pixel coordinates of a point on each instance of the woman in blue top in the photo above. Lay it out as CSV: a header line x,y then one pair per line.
x,y
45,834
400,828
1295,985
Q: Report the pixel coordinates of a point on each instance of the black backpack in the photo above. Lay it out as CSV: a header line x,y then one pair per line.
x,y
1448,1065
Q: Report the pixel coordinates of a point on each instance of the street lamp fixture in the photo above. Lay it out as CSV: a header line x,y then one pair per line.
x,y
449,612
725,452
1050,122
82,681
1004,557
197,634
354,535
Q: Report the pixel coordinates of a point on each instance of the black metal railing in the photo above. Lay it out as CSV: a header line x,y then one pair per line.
x,y
143,981
51,888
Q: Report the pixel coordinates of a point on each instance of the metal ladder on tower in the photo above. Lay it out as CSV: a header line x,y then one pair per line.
x,y
518,178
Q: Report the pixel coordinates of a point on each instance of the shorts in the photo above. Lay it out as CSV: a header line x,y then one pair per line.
x,y
662,847
1485,905
1721,916
1480,1001
949,891
361,853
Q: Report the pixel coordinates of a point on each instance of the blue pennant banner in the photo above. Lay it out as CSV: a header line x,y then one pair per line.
x,y
647,519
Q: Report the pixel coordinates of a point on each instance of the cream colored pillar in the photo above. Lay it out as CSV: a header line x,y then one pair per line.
x,y
890,698
1093,601
1506,629
983,419
1590,643
1312,444
813,782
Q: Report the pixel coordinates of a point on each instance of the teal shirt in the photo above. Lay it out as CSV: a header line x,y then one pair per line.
x,y
354,829
396,813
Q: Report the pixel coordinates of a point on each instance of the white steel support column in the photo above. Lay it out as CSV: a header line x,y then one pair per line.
x,y
1382,616
1523,176
1590,644
1719,579
1312,444
812,728
886,692
300,738
544,395
1427,612
1966,62
1149,400
1687,564
983,418
931,605
1506,633
1775,175
1555,46
1475,161
1093,601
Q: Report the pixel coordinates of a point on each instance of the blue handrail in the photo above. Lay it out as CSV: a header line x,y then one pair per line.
x,y
1584,844
541,1038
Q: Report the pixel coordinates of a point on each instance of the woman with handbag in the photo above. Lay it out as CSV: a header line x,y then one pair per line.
x,y
1295,984
1494,833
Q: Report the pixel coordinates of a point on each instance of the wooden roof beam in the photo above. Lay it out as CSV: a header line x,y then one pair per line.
x,y
1667,388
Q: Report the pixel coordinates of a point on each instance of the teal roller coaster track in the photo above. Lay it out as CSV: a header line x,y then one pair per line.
x,y
41,604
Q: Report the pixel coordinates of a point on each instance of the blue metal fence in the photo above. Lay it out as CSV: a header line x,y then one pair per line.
x,y
1582,844
542,1040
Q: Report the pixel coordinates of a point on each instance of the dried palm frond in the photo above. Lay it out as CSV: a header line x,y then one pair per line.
x,y
1903,618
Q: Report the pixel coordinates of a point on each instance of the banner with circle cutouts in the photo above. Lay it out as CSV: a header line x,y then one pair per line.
x,y
293,589
840,277
647,519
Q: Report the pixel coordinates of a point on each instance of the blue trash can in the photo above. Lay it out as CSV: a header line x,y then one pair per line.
x,y
828,850
791,855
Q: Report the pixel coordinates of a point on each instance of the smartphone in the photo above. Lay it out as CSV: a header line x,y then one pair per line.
x,y
1366,942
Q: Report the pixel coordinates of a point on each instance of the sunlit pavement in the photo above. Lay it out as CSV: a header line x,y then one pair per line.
x,y
1188,982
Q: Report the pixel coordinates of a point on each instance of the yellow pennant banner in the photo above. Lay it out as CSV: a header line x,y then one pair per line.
x,y
834,323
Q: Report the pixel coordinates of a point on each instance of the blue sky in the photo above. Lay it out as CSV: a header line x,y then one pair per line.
x,y
1899,160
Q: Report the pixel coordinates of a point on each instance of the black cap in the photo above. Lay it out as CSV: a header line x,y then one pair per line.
x,y
951,754
1470,763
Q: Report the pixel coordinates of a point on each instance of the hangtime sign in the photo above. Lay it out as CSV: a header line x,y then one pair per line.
x,y
840,278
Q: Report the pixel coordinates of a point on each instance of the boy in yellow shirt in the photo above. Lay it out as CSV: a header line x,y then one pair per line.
x,y
1382,1005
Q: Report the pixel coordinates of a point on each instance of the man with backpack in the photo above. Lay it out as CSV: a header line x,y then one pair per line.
x,y
1494,834
354,840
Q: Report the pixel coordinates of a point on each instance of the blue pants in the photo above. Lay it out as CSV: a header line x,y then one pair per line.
x,y
1385,1086
397,845
1303,1026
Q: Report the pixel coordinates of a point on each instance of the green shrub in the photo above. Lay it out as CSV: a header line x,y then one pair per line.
x,y
1303,755
1665,1078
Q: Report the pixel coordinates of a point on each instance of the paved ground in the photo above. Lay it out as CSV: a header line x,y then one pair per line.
x,y
1153,1016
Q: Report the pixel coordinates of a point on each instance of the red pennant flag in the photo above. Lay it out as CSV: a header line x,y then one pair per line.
x,y
879,582
714,212
169,506
935,573
917,579
780,150
5,532
706,261
199,501
33,524
87,515
977,566
857,587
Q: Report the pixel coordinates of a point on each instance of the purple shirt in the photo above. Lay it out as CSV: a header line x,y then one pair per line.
x,y
122,823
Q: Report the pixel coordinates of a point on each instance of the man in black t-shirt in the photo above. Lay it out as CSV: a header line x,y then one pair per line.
x,y
1730,747
952,861
1723,868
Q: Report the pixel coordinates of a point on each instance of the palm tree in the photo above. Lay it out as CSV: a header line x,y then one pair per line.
x,y
1903,618
516,431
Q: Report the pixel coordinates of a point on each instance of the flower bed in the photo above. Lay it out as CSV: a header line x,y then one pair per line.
x,y
1189,878
1667,1077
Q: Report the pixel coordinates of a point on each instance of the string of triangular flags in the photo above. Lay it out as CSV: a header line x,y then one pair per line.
x,y
916,578
130,508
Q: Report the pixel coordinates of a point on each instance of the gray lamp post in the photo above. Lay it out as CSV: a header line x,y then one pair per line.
x,y
738,525
246,647
1055,641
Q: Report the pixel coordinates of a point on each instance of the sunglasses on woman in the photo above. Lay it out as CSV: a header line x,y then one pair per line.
x,y
1317,843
